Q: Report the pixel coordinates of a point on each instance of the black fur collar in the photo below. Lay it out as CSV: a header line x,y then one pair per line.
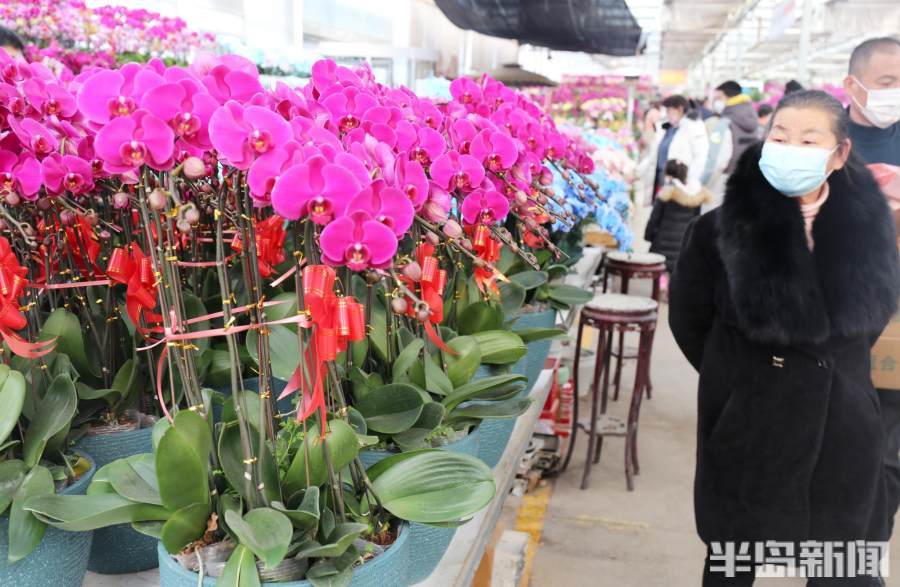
x,y
785,295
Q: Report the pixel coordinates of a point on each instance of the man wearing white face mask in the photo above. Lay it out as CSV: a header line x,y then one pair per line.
x,y
873,84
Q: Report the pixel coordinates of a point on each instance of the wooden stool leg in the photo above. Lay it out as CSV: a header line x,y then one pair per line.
x,y
574,433
606,359
592,443
619,358
649,385
631,464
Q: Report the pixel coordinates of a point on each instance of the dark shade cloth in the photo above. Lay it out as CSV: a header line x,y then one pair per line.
x,y
789,439
591,26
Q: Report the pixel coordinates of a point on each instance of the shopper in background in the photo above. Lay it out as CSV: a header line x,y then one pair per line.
x,y
873,83
676,205
737,107
776,300
12,44
763,113
792,86
682,137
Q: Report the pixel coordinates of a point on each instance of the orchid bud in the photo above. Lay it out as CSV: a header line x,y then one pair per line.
x,y
120,200
91,217
423,314
413,271
432,238
194,168
372,277
13,199
542,199
191,214
521,198
43,204
105,235
398,305
66,218
466,244
158,199
183,226
452,229
206,188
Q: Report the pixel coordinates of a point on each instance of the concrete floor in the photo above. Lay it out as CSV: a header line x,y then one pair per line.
x,y
606,536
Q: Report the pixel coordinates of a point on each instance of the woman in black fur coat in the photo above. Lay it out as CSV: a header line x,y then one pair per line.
x,y
779,320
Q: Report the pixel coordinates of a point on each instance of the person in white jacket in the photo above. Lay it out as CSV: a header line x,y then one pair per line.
x,y
683,138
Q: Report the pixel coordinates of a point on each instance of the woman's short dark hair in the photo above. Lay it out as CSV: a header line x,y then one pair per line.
x,y
840,121
764,109
730,88
677,169
676,101
9,38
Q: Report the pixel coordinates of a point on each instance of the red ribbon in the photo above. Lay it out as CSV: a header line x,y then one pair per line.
x,y
270,236
84,246
431,290
336,321
133,268
488,250
12,284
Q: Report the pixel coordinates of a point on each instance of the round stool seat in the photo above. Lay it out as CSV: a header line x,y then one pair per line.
x,y
622,304
636,258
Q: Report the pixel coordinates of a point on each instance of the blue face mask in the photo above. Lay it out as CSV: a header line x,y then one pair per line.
x,y
794,171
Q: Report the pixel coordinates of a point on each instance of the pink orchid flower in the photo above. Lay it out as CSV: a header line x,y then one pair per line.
x,y
34,136
465,91
225,83
115,93
422,143
496,150
19,174
358,241
452,170
484,207
126,143
67,173
410,178
387,205
187,107
348,106
267,168
437,206
462,132
316,188
50,99
241,134
326,74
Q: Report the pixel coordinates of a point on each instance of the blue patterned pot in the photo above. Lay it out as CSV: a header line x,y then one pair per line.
x,y
427,543
388,568
120,549
60,560
495,435
532,363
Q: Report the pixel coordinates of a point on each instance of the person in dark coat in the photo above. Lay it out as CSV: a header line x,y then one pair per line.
x,y
674,208
776,301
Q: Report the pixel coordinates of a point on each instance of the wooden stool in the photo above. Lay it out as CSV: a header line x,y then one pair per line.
x,y
630,266
609,313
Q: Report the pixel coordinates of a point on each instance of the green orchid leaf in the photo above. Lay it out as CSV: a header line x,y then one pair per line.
x,y
433,486
81,513
12,473
265,531
66,329
495,387
462,366
529,335
134,478
151,529
324,573
182,457
284,350
479,317
240,570
391,408
25,530
512,297
184,526
12,398
406,359
339,540
431,418
53,414
342,449
510,408
568,294
436,381
500,347
231,458
306,516
530,279
126,381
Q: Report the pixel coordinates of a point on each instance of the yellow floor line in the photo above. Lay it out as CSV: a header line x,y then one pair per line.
x,y
530,519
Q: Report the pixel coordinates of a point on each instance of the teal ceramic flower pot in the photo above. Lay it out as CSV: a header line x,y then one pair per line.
x,y
120,549
60,560
494,434
428,543
388,568
532,363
